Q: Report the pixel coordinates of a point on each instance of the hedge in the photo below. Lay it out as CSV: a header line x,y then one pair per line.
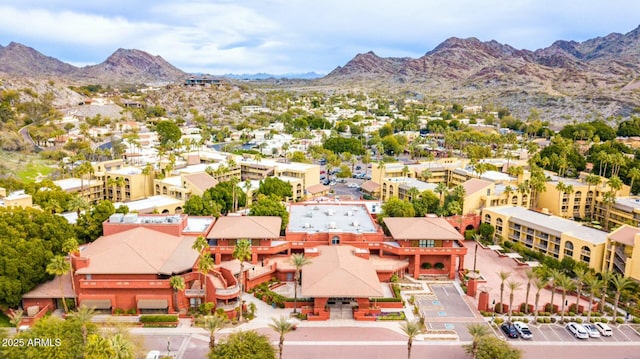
x,y
161,318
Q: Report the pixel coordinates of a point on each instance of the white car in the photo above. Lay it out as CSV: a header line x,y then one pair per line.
x,y
154,354
578,331
353,185
523,330
592,330
604,329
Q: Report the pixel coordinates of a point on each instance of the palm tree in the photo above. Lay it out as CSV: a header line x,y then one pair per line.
x,y
83,316
531,275
592,180
282,326
15,318
538,283
242,252
122,348
561,188
503,277
411,329
580,273
298,260
634,174
441,189
177,283
199,245
507,191
77,204
205,265
213,323
59,266
566,284
477,331
148,171
606,277
553,280
620,283
594,284
513,286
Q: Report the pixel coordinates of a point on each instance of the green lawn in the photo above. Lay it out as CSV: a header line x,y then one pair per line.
x,y
27,167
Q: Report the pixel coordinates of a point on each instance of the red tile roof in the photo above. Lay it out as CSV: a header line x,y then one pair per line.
x,y
238,227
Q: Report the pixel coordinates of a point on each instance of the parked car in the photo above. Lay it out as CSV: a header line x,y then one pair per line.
x,y
358,167
578,330
592,330
604,329
523,330
154,354
509,330
353,185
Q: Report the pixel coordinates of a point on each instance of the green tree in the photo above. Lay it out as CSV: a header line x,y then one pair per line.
x,y
270,206
213,323
59,267
539,284
620,283
513,286
168,132
490,347
282,326
83,316
566,285
477,331
275,186
298,260
244,344
242,252
503,275
395,207
89,224
594,284
426,202
177,284
411,329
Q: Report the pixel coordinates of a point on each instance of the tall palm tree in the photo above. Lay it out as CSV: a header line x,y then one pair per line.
x,y
580,274
441,189
177,283
561,188
594,284
634,174
538,283
477,331
213,323
553,280
606,277
620,283
503,277
411,329
513,286
282,326
242,252
199,245
83,316
592,180
566,284
59,266
298,260
531,275
122,348
205,265
148,171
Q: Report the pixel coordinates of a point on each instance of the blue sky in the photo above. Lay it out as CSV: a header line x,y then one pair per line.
x,y
285,36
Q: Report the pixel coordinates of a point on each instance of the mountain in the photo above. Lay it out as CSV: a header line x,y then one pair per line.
x,y
123,66
598,76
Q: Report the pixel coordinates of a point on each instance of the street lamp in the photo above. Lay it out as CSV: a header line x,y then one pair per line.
x,y
168,346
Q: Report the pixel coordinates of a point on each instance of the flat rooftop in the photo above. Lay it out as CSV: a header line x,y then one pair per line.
x,y
551,224
332,217
69,184
148,204
628,203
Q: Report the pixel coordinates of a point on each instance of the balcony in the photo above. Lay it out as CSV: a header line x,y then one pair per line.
x,y
119,284
189,293
395,249
228,293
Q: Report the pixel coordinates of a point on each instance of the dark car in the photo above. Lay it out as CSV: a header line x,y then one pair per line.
x,y
509,330
358,167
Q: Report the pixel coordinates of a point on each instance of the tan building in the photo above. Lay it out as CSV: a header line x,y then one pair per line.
x,y
623,246
15,199
127,184
91,190
548,234
625,210
401,187
185,185
576,202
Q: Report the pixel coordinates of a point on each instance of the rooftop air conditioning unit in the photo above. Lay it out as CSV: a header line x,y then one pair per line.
x,y
307,225
332,225
355,224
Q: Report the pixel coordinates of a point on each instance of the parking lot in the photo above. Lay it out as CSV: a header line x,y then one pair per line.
x,y
558,333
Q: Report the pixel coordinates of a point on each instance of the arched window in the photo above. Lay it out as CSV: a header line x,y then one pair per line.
x,y
514,200
499,226
585,254
568,249
487,218
525,200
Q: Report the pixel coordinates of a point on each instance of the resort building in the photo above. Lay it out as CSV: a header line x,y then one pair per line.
x,y
551,235
622,247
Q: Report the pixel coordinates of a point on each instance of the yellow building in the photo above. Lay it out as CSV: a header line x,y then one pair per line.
x,y
548,234
401,187
623,246
15,199
625,210
90,189
185,185
126,184
579,201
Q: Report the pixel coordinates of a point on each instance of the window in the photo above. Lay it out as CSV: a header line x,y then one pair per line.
x,y
585,254
568,249
335,240
487,218
426,243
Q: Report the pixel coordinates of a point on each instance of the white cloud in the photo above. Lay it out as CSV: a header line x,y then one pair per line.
x,y
293,35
